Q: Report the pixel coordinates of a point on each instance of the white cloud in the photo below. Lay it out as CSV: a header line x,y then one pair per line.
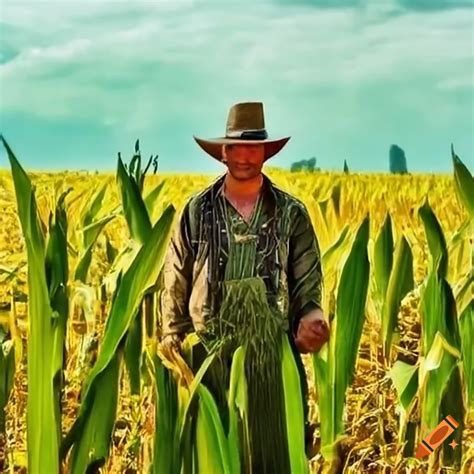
x,y
143,61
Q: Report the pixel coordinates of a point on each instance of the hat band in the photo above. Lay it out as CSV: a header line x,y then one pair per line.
x,y
248,134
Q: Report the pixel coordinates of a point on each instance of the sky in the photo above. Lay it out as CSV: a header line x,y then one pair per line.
x,y
81,81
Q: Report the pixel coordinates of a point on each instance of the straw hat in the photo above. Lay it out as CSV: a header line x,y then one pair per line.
x,y
245,125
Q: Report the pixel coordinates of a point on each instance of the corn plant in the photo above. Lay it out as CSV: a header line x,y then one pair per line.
x,y
393,279
334,366
137,211
441,393
90,432
47,320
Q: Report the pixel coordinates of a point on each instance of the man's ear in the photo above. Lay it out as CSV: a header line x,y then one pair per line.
x,y
224,153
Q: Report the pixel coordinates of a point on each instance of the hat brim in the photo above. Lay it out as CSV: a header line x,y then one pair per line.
x,y
213,146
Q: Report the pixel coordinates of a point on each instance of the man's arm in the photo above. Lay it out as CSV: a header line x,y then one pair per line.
x,y
177,280
305,284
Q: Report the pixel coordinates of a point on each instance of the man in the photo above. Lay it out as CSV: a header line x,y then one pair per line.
x,y
239,229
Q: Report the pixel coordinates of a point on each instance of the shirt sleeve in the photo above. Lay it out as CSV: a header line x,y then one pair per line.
x,y
305,278
177,279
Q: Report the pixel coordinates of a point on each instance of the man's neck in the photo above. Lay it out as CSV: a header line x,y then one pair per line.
x,y
239,189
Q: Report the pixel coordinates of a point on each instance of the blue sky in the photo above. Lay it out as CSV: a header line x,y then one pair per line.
x,y
81,81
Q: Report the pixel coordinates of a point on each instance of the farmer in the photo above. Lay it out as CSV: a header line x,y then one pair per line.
x,y
244,267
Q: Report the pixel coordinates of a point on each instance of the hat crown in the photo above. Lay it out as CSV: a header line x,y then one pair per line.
x,y
245,116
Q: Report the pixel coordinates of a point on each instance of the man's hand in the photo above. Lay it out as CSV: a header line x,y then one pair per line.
x,y
312,333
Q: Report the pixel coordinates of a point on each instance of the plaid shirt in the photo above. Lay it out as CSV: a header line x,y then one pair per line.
x,y
289,258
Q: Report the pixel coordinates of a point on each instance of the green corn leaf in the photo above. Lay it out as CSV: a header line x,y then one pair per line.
x,y
462,233
166,457
82,268
110,251
152,197
193,389
405,379
238,410
7,372
57,271
294,410
93,230
211,443
91,233
335,372
333,254
464,183
440,347
466,326
383,258
92,443
134,208
400,283
133,352
42,444
435,238
91,212
350,314
438,313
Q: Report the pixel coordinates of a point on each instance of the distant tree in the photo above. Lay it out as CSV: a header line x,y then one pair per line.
x,y
304,165
398,161
295,166
346,168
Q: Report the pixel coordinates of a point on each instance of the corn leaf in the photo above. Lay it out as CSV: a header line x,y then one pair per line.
x,y
464,183
7,371
43,451
238,411
400,283
93,440
133,353
166,457
435,238
466,325
93,209
152,197
211,442
350,315
57,271
383,258
334,373
134,208
440,347
295,421
405,379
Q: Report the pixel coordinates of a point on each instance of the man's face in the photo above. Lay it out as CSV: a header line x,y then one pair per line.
x,y
244,161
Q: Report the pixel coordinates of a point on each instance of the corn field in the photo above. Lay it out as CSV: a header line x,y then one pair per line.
x,y
85,386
